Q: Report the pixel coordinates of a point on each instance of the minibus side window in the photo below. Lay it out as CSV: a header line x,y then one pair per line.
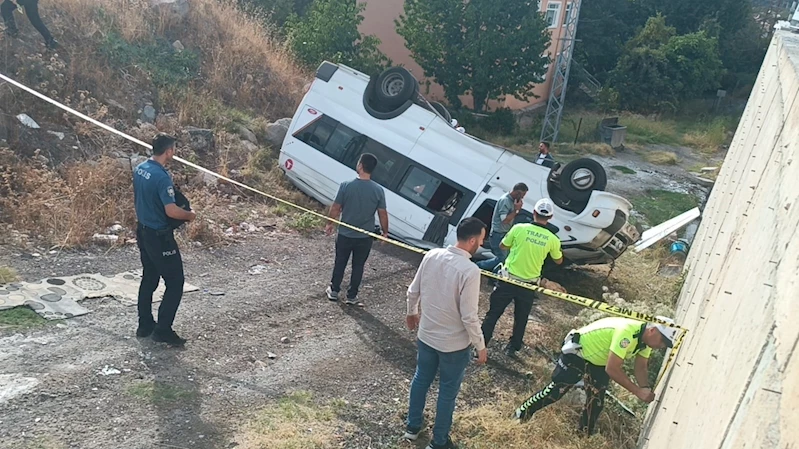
x,y
319,133
343,140
387,160
429,191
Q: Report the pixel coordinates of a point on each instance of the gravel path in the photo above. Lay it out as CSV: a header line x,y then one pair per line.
x,y
200,396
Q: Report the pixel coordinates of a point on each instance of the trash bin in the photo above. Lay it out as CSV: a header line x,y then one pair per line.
x,y
612,133
617,135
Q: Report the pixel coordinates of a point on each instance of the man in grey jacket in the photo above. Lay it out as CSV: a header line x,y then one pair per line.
x,y
447,286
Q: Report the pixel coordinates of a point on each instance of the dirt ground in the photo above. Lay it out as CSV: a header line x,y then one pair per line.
x,y
201,396
674,178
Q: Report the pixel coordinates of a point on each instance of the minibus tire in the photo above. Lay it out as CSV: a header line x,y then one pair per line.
x,y
409,90
575,192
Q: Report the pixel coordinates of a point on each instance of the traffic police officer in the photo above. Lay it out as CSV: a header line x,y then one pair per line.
x,y
154,195
595,353
529,245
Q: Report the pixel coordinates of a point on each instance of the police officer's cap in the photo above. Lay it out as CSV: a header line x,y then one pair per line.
x,y
162,142
544,207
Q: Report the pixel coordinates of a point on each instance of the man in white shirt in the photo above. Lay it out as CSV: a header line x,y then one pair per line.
x,y
447,285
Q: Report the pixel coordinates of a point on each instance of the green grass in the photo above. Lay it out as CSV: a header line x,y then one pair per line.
x,y
164,65
20,318
703,132
623,169
281,210
710,135
660,205
160,393
306,223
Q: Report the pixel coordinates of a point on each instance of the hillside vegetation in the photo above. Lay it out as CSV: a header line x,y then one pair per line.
x,y
142,70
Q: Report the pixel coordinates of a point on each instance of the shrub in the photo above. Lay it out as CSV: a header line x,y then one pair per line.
x,y
502,121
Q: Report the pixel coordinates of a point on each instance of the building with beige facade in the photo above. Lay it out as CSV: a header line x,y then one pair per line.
x,y
379,17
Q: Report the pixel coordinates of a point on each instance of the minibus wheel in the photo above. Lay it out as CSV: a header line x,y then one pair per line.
x,y
582,176
394,87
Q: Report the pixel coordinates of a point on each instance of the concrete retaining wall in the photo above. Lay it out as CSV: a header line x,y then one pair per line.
x,y
735,383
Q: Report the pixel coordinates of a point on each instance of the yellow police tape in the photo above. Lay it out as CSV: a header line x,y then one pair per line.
x,y
671,357
585,302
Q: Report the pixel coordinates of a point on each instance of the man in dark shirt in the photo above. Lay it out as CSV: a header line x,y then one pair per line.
x,y
154,195
544,156
32,11
356,204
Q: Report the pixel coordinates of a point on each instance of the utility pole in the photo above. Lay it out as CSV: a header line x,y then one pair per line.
x,y
557,93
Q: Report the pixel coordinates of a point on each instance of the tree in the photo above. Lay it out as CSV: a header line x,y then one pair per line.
x,y
742,43
660,68
604,28
607,25
489,48
278,10
329,31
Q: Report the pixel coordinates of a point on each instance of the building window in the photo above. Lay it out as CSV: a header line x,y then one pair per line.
x,y
568,14
552,14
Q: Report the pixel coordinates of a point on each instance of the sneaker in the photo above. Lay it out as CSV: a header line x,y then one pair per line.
x,y
52,44
354,302
169,337
510,351
145,330
411,434
448,445
331,295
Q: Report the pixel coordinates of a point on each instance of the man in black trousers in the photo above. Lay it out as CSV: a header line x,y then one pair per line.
x,y
32,11
154,195
356,203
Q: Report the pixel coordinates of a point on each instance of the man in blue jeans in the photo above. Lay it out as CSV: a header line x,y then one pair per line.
x,y
447,286
505,212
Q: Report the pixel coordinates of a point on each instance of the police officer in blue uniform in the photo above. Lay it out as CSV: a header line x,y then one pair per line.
x,y
156,212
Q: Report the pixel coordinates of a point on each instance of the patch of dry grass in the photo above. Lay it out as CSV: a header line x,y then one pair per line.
x,y
661,157
7,275
243,62
636,278
595,148
68,206
295,422
490,426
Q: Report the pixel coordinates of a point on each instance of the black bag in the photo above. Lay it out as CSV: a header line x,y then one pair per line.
x,y
182,202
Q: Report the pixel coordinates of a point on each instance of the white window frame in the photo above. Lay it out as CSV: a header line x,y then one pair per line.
x,y
569,10
554,7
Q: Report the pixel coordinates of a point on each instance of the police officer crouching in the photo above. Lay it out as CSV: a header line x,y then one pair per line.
x,y
595,354
159,212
